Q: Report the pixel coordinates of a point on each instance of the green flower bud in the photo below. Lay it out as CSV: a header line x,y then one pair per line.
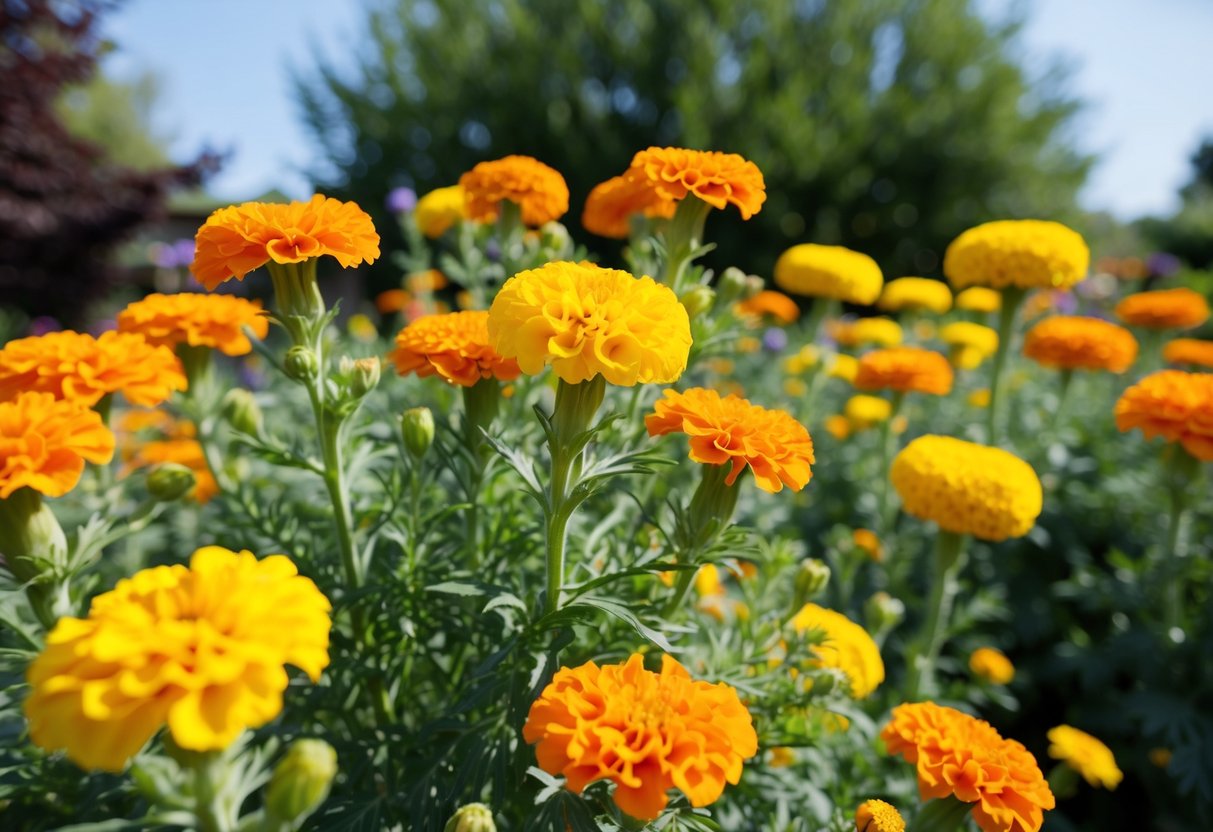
x,y
169,481
364,376
883,612
301,364
300,782
31,539
417,429
698,300
753,285
242,412
811,579
731,286
474,817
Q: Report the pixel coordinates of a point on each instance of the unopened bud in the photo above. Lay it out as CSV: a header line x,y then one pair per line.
x,y
417,430
362,375
242,412
31,539
731,286
474,817
301,364
753,285
169,481
883,612
811,579
300,782
698,300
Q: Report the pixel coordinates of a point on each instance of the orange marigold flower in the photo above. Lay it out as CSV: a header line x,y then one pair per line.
x,y
867,540
959,756
992,665
182,450
1077,343
1189,351
731,430
75,365
775,304
1175,405
719,179
1179,308
611,205
455,346
391,301
236,240
538,190
44,443
646,732
905,369
215,321
878,816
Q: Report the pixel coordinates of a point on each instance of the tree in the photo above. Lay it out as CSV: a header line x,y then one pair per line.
x,y
117,118
1188,233
888,126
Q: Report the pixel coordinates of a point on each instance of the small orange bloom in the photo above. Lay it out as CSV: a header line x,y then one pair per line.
x,y
538,190
391,301
905,369
731,430
44,443
1175,405
646,732
611,205
867,540
430,280
1189,351
236,240
878,816
719,179
1076,343
215,321
767,303
455,346
183,451
1164,309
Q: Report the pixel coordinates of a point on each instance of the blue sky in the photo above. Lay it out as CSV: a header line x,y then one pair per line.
x,y
1143,65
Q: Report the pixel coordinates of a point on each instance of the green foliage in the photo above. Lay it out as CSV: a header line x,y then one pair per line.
x,y
117,117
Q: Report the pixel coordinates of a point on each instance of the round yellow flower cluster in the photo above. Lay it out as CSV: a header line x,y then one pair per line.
x,y
912,293
979,299
438,210
1086,755
829,272
883,332
992,665
1028,254
878,816
846,646
864,411
970,343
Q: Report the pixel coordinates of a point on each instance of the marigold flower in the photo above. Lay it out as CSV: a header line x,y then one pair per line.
x,y
992,665
539,191
183,450
781,757
883,332
845,367
867,540
979,299
1179,308
959,756
905,370
1028,254
979,398
236,240
829,272
199,649
730,430
1086,755
967,488
392,301
646,732
438,210
586,321
916,293
75,365
838,426
1188,351
44,443
878,816
455,346
865,411
846,646
766,303
1175,405
1076,343
215,321
611,205
719,179
971,343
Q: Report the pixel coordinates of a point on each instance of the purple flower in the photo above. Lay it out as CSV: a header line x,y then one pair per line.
x,y
774,340
401,200
492,250
1162,264
1065,303
99,327
175,255
183,252
44,324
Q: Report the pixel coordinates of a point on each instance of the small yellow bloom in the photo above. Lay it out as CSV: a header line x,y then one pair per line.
x,y
829,272
878,816
867,540
438,210
781,756
979,299
1086,755
846,646
707,581
884,332
980,398
971,343
865,411
991,665
914,293
843,366
838,426
362,328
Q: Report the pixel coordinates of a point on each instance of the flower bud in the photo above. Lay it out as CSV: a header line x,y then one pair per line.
x,y
753,285
417,429
474,817
698,300
300,782
301,364
242,412
811,579
883,612
362,375
169,481
731,286
32,540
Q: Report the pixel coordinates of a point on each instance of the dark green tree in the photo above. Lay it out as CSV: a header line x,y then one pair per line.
x,y
888,126
1188,233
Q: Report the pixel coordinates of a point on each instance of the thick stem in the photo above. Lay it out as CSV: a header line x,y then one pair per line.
x,y
948,552
208,769
1186,469
709,513
1011,299
888,444
943,815
822,309
683,238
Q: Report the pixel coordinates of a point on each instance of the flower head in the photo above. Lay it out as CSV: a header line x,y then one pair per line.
x,y
864,411
455,346
1086,755
884,332
611,205
904,370
878,816
215,321
979,299
719,179
967,488
199,649
1028,254
845,646
439,210
916,293
539,191
970,343
585,321
765,304
1189,351
959,756
829,272
44,443
647,732
992,665
75,365
236,240
1179,308
730,430
1175,405
1076,343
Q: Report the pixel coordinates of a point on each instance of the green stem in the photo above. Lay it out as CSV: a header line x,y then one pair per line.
x,y
948,551
1011,299
683,239
888,444
207,811
819,312
201,396
943,815
1186,470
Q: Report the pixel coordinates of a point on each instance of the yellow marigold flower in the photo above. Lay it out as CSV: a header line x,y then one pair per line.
x,y
438,210
44,443
719,179
1028,254
201,650
967,488
846,646
732,431
838,426
586,321
980,398
867,540
805,358
455,346
916,293
707,581
646,732
1189,351
766,303
971,343
75,365
905,370
883,332
1179,308
182,450
829,272
611,205
1086,755
845,367
878,816
1076,343
538,190
959,756
781,757
236,240
1175,405
979,299
865,411
991,665
215,321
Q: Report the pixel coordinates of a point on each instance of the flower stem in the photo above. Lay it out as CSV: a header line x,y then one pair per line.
x,y
946,814
1183,474
819,312
1011,299
683,239
888,444
948,560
